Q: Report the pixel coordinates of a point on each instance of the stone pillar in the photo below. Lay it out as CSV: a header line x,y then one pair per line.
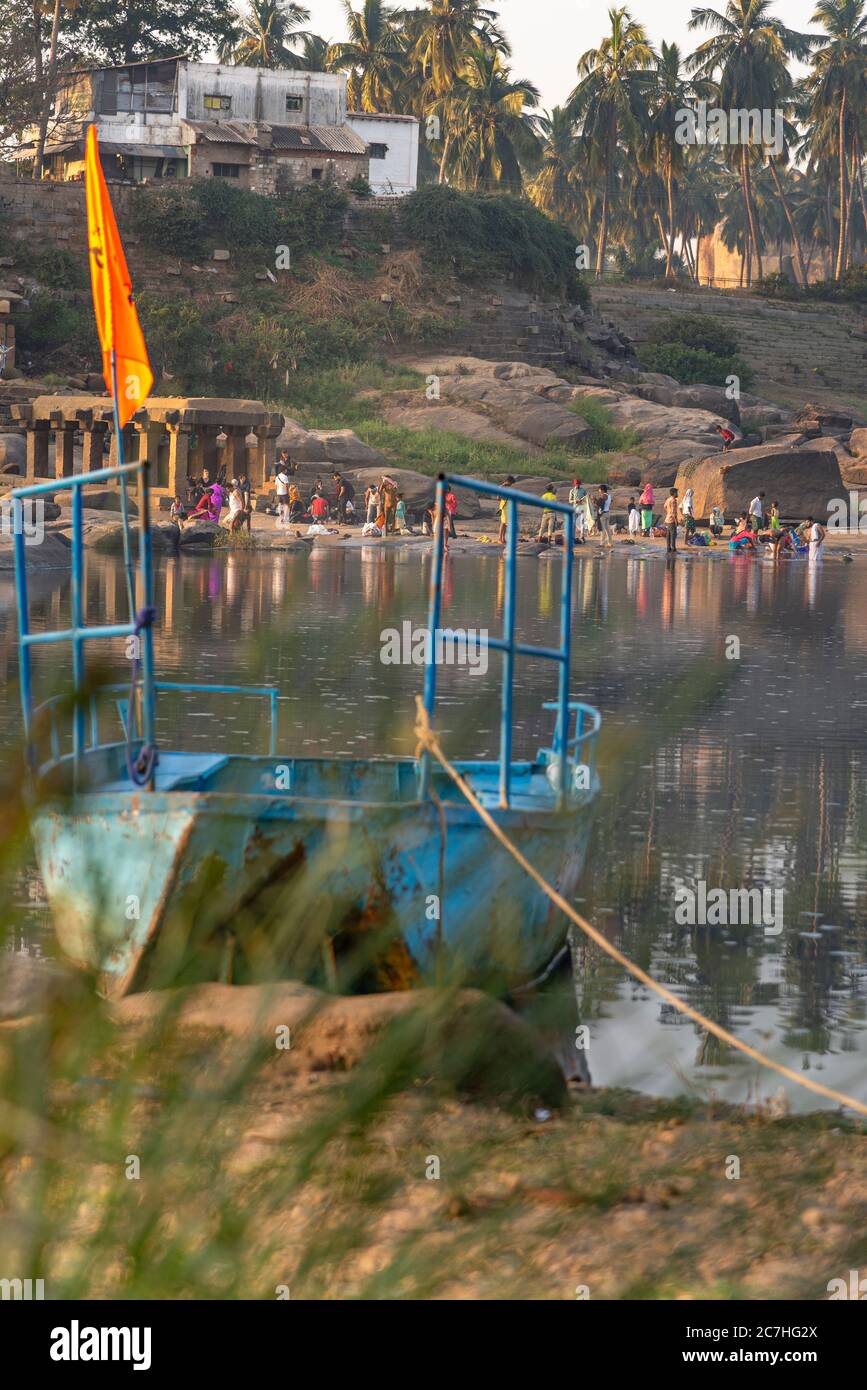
x,y
37,449
128,437
64,445
93,451
257,459
179,460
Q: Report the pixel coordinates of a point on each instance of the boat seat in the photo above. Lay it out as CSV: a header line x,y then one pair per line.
x,y
174,769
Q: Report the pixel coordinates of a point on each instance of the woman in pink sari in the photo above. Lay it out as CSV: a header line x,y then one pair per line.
x,y
209,506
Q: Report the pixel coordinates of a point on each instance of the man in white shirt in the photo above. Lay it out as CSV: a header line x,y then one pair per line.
x,y
577,494
757,512
816,536
281,483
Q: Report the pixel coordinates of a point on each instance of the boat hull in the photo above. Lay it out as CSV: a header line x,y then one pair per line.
x,y
152,887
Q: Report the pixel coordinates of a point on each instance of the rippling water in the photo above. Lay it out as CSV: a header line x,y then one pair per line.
x,y
760,783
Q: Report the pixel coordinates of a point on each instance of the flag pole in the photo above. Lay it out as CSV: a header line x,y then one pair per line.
x,y
124,502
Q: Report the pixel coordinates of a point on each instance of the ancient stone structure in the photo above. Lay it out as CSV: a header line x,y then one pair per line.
x,y
179,436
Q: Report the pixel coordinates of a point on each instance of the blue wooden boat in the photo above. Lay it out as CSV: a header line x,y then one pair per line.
x,y
166,866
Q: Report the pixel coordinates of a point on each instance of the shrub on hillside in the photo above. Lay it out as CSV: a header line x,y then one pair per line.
x,y
486,235
694,348
59,327
852,289
186,216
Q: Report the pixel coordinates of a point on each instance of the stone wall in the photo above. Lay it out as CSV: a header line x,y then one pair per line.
x,y
51,214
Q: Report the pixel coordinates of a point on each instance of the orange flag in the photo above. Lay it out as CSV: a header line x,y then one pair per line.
x,y
116,318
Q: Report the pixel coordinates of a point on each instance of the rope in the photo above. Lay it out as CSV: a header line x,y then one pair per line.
x,y
140,770
427,739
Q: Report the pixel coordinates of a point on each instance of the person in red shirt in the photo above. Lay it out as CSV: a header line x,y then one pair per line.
x,y
451,507
319,508
728,436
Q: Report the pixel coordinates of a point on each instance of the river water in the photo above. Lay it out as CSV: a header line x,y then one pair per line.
x,y
735,742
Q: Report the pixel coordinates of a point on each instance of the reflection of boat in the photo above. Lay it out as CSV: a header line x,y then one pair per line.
x,y
173,865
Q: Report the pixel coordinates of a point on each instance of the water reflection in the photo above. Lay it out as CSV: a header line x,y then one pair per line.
x,y
762,786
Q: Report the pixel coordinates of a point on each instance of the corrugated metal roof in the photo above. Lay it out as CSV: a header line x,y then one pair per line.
x,y
334,139
224,132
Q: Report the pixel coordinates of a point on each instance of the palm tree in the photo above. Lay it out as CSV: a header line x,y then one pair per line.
x,y
440,39
372,55
555,185
837,88
263,36
492,127
314,53
611,85
747,54
670,93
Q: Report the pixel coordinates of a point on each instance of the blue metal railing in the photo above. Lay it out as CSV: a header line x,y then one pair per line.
x,y
79,632
507,643
49,707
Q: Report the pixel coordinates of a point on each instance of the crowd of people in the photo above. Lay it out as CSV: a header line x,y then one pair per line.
x,y
382,512
760,524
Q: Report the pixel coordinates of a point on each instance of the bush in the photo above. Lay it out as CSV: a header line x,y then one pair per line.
x,y
694,349
480,236
188,215
360,186
64,328
852,289
693,366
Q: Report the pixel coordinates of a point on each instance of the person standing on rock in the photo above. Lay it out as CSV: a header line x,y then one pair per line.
x,y
388,492
281,485
757,512
670,521
345,493
687,511
451,504
371,504
645,502
727,435
548,524
603,512
577,496
503,508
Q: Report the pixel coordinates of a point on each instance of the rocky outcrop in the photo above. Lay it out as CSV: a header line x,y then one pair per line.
x,y
804,481
49,553
336,448
13,453
98,499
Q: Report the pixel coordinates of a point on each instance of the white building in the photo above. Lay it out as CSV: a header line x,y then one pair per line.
x,y
392,143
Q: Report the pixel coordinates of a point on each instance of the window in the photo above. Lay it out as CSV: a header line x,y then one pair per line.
x,y
226,171
214,102
378,151
316,173
294,103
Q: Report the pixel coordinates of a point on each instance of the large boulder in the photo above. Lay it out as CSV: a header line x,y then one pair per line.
x,y
803,481
13,453
826,419
417,489
201,534
331,448
858,442
49,553
97,499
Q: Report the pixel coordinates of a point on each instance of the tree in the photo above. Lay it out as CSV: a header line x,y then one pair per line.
x,y
372,55
747,55
492,126
441,38
139,29
555,186
612,82
263,36
670,92
837,88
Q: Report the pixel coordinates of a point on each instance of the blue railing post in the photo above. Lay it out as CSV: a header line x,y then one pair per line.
x,y
147,596
78,664
272,742
433,623
25,677
508,655
566,648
